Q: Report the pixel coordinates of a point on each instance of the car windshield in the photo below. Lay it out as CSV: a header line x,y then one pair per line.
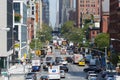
x,y
93,79
61,71
44,76
48,58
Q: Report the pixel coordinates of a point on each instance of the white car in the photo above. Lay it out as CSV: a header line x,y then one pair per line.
x,y
88,73
92,76
64,62
109,77
62,73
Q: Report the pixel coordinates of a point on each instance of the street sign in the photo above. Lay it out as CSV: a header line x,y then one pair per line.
x,y
38,52
17,45
25,55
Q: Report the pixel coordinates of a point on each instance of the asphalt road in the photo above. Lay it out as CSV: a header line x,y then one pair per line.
x,y
75,72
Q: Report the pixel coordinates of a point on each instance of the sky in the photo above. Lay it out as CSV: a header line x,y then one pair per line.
x,y
52,12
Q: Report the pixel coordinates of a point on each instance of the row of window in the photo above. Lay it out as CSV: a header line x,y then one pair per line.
x,y
87,1
87,5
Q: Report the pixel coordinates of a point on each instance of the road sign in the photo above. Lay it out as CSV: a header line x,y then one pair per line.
x,y
25,55
17,45
38,52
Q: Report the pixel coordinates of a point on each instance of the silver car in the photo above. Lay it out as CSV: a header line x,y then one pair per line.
x,y
62,73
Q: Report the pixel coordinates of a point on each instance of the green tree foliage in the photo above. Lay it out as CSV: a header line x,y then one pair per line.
x,y
102,40
36,44
114,58
67,27
72,33
43,35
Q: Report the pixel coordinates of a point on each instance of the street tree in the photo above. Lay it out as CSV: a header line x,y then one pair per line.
x,y
102,40
43,35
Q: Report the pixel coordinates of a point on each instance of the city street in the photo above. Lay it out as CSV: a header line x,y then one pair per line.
x,y
75,73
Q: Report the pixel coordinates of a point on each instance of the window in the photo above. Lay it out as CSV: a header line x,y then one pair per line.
x,y
17,8
32,7
32,12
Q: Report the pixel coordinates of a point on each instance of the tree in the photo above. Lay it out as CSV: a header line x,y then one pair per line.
x,y
36,44
45,33
102,40
67,27
42,36
114,59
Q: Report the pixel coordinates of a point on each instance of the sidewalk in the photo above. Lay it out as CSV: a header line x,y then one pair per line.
x,y
19,69
17,72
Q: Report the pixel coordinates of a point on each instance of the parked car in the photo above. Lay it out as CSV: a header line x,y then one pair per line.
x,y
65,68
62,73
44,77
31,76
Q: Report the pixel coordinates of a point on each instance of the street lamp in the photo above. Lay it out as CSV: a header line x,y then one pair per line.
x,y
5,29
113,39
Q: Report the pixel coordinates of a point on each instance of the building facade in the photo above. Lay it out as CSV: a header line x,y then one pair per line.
x,y
114,26
20,28
45,11
86,8
105,16
66,10
6,37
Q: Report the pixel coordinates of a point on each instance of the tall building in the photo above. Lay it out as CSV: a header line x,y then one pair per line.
x,y
114,26
34,18
86,8
6,37
45,11
65,6
20,27
105,16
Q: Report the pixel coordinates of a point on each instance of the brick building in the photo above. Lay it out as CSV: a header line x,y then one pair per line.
x,y
114,27
84,9
105,16
105,22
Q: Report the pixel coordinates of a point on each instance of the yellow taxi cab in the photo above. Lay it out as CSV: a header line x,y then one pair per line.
x,y
81,62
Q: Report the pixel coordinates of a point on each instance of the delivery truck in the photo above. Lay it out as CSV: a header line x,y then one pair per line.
x,y
36,64
54,72
77,58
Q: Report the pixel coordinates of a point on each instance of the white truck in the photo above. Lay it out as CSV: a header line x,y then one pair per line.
x,y
36,64
77,58
54,72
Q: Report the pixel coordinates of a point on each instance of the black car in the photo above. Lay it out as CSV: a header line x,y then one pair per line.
x,y
65,68
69,59
96,69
